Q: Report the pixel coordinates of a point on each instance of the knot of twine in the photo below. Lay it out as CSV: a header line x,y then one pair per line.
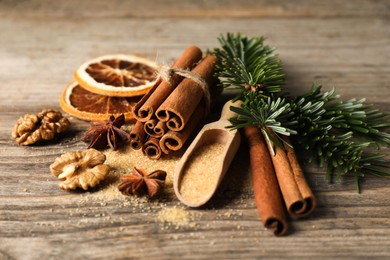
x,y
166,73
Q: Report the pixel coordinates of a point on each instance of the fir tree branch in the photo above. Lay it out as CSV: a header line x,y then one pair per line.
x,y
265,113
339,134
248,64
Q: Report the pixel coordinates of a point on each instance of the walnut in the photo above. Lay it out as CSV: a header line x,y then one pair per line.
x,y
31,128
80,169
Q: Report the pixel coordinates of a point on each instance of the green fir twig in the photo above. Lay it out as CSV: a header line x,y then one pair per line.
x,y
342,136
247,64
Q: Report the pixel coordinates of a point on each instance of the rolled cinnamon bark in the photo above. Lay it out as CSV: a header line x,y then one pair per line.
x,y
151,148
296,205
173,141
160,129
146,107
303,186
150,125
178,108
268,198
155,128
137,135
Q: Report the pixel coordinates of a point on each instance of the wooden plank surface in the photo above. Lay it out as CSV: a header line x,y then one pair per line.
x,y
338,43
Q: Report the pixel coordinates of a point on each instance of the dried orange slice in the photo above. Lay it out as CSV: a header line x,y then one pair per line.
x,y
117,75
84,104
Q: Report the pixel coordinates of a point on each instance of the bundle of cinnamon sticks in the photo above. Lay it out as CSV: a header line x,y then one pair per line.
x,y
278,182
168,114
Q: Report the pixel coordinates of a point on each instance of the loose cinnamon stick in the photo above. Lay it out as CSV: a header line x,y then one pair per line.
x,y
151,148
178,108
137,135
304,189
146,107
268,199
296,205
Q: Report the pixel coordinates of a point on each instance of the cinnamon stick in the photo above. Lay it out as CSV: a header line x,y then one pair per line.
x,y
160,129
155,128
150,125
146,107
303,186
151,148
178,108
137,135
268,198
296,204
174,141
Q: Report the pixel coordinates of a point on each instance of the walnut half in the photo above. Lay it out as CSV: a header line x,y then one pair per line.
x,y
80,169
31,128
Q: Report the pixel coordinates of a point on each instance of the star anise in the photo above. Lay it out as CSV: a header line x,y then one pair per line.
x,y
107,133
140,183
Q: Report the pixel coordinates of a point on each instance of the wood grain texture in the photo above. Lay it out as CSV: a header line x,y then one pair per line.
x,y
199,9
340,43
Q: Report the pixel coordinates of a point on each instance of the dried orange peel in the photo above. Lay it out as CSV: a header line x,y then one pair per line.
x,y
84,104
117,75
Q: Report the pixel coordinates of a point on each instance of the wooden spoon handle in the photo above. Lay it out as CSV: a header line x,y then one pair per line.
x,y
226,113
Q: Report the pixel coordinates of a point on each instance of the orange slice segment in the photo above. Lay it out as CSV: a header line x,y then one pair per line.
x,y
84,104
117,75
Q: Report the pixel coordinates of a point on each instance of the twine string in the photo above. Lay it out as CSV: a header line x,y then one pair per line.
x,y
166,73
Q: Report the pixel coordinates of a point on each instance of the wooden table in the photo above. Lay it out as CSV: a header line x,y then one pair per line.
x,y
338,43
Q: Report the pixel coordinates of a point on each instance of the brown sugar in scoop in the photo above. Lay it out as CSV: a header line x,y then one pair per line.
x,y
204,164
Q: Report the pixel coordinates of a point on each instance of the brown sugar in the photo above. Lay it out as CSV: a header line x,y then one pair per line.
x,y
166,209
201,172
177,217
122,161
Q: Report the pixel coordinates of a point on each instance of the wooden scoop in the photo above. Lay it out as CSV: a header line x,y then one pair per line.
x,y
204,182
